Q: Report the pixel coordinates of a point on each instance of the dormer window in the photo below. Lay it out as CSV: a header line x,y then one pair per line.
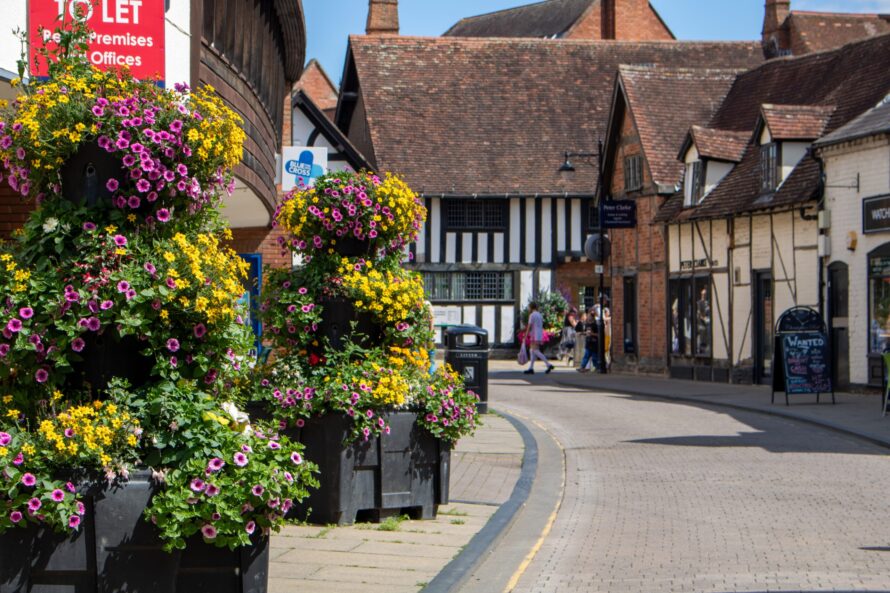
x,y
769,167
694,183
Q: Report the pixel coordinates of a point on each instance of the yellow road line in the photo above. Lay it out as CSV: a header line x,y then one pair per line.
x,y
514,580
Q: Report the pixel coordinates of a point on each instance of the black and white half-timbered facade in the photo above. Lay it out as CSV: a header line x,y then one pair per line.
x,y
482,258
479,127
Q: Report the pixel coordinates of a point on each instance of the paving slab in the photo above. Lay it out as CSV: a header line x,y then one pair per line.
x,y
363,558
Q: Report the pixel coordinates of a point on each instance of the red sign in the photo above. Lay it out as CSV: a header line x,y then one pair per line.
x,y
124,32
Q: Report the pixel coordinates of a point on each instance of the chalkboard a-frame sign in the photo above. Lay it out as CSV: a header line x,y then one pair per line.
x,y
801,356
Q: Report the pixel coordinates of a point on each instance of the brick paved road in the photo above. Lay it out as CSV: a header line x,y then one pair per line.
x,y
664,497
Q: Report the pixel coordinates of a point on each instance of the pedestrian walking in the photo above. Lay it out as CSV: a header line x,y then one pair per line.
x,y
590,331
534,333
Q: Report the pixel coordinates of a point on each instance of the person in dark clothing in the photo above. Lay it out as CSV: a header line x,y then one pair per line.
x,y
588,328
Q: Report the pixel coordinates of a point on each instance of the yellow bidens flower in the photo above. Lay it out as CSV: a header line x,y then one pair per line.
x,y
92,434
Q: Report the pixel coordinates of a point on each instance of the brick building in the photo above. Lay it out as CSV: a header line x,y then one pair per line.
x,y
789,32
624,20
645,127
479,127
743,236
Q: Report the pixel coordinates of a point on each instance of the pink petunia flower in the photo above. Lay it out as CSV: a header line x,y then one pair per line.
x,y
163,215
74,521
112,184
216,464
258,490
26,312
250,527
208,531
57,495
14,325
42,375
240,459
172,344
296,458
211,490
29,480
16,516
34,505
123,286
106,305
120,240
197,485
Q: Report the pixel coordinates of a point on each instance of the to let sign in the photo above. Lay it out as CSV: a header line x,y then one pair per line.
x,y
619,214
125,33
876,214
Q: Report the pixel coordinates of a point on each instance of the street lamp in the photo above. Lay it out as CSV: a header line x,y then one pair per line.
x,y
597,246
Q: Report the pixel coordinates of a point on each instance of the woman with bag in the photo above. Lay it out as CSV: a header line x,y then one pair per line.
x,y
535,335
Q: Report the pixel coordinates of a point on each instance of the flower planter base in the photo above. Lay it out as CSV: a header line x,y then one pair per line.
x,y
117,550
404,472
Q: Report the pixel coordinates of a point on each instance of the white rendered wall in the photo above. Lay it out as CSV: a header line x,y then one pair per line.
x,y
871,161
15,16
178,43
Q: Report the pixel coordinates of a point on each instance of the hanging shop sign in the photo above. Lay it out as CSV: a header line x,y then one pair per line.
x,y
876,214
125,33
619,214
302,165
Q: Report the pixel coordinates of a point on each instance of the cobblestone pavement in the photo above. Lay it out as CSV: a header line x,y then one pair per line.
x,y
667,496
367,558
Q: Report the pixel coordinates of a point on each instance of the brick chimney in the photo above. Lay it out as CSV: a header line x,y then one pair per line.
x,y
630,20
383,17
774,42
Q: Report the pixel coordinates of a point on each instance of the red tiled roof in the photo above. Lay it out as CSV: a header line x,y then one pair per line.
x,y
465,116
721,145
661,119
543,19
849,80
318,86
819,31
796,122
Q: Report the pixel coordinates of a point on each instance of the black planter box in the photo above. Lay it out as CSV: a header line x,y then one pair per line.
x,y
117,550
404,472
341,322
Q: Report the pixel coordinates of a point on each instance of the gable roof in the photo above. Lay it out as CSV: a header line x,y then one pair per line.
x,y
661,120
547,19
795,122
471,116
819,31
316,83
850,80
871,123
325,127
720,145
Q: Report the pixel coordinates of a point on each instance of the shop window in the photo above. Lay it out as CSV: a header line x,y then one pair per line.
x,y
633,173
691,320
476,215
879,299
468,286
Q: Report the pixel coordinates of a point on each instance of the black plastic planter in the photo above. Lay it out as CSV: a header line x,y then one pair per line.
x,y
352,247
116,550
106,356
340,322
86,173
404,472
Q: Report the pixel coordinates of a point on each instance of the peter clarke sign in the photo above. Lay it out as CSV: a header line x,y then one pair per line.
x,y
125,32
876,214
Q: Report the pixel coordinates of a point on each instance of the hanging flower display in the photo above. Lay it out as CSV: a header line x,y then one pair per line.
x,y
352,335
382,214
122,343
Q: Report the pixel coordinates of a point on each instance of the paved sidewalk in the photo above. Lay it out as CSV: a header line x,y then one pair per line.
x,y
855,413
402,557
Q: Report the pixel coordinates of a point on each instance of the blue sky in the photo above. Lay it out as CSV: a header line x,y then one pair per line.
x,y
330,22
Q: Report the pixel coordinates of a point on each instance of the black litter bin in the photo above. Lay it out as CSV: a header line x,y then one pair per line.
x,y
466,350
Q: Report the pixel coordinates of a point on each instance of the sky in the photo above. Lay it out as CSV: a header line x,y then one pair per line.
x,y
330,22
